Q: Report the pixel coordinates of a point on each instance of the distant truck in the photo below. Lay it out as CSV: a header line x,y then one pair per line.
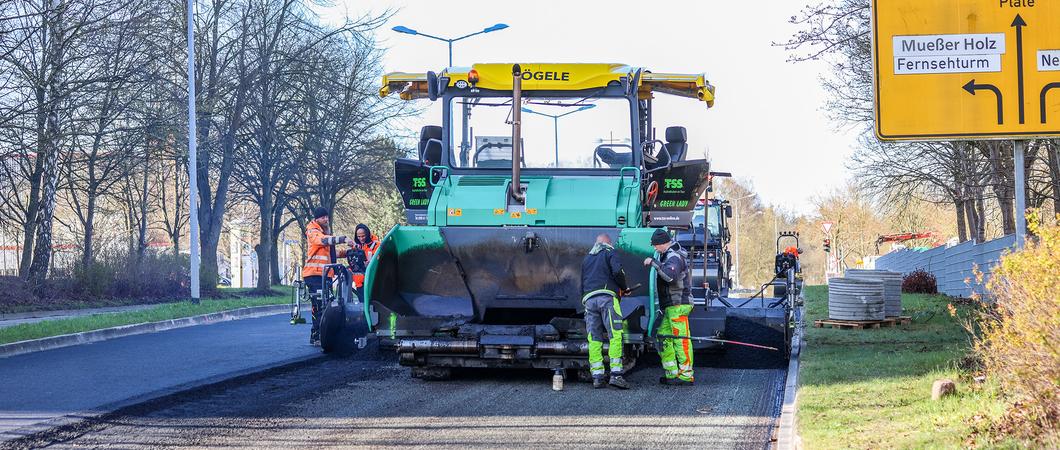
x,y
707,242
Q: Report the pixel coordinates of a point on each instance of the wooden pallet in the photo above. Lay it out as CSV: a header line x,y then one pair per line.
x,y
862,324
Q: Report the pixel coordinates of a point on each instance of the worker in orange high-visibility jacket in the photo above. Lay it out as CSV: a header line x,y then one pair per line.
x,y
366,241
322,251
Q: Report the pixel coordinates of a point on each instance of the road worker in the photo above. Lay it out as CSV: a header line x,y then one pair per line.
x,y
675,300
321,252
366,241
602,282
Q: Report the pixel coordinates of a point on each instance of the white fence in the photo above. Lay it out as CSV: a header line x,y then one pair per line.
x,y
952,266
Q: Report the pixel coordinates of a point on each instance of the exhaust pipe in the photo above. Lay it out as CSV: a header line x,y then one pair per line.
x,y
517,128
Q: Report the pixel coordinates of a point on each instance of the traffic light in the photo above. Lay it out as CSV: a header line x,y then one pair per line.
x,y
827,245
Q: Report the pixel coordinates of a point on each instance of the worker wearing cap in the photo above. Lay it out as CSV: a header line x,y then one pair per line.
x,y
675,300
320,253
602,281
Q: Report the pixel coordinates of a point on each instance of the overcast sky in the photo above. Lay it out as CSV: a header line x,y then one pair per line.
x,y
768,125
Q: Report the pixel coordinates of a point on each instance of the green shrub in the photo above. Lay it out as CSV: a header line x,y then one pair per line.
x,y
1018,332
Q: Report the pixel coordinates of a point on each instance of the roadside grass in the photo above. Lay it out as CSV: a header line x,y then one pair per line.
x,y
872,388
165,311
105,302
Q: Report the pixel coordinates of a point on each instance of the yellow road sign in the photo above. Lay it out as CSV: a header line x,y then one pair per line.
x,y
966,69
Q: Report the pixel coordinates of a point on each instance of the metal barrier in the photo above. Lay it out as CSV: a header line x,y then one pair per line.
x,y
952,266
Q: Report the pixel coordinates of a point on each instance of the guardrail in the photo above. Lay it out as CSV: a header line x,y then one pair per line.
x,y
952,266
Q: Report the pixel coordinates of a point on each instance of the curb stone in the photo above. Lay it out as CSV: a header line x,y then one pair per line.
x,y
66,340
787,435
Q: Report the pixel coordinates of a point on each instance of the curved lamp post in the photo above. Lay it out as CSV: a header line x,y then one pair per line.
x,y
555,123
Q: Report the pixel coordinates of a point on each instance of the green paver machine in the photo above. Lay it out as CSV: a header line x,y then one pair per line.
x,y
505,197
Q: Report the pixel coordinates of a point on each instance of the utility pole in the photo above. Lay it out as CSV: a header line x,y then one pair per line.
x,y
193,172
1021,195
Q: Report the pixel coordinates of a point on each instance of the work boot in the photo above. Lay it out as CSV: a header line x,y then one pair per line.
x,y
667,381
314,338
680,382
598,383
619,382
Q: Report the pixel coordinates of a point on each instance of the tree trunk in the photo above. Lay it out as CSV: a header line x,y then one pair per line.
x,y
980,213
277,244
972,218
29,227
1053,151
42,252
90,228
141,248
274,260
962,231
264,247
208,265
1003,185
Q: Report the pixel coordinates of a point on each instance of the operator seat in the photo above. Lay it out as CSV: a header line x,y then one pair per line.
x,y
613,159
676,146
430,145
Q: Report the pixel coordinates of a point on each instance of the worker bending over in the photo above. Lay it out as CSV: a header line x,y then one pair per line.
x,y
320,253
602,282
675,299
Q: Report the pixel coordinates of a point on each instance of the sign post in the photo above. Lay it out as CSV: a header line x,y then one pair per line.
x,y
968,69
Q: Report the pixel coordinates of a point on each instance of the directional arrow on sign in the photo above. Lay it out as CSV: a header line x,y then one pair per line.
x,y
1045,91
971,87
1018,23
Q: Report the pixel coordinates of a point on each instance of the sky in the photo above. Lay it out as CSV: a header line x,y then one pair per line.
x,y
768,125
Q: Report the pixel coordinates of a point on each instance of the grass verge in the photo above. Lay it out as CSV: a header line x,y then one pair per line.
x,y
872,388
48,328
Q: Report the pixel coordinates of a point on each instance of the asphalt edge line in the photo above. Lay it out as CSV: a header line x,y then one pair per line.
x,y
151,400
103,334
787,435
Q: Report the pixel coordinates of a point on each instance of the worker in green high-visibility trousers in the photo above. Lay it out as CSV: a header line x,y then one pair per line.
x,y
602,281
675,299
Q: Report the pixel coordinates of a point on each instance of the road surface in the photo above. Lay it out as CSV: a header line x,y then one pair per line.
x,y
367,400
43,386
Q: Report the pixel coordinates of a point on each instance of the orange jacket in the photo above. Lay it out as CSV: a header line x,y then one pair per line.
x,y
370,247
318,255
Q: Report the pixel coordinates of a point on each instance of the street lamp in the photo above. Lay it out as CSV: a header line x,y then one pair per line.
x,y
193,177
555,123
736,259
465,145
407,30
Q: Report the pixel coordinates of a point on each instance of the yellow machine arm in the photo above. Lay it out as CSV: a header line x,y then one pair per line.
x,y
681,85
556,77
409,86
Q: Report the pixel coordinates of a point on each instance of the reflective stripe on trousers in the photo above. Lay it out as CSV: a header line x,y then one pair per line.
x,y
603,317
676,354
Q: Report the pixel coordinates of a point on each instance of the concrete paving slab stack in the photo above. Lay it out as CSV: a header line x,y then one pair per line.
x,y
892,288
855,299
